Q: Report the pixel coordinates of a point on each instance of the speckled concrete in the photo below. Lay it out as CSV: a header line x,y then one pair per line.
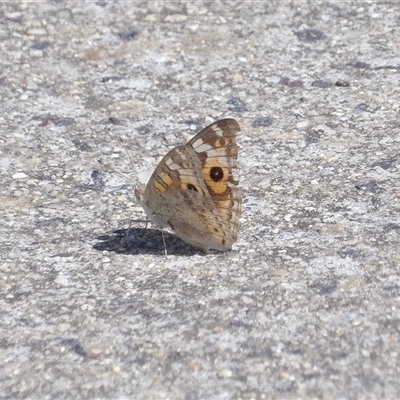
x,y
307,303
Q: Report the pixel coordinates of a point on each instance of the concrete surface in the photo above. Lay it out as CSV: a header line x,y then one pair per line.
x,y
307,303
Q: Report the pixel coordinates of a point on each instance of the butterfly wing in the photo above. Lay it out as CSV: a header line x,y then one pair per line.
x,y
192,190
197,221
180,169
217,150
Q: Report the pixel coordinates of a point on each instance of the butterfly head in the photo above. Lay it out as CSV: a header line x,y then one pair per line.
x,y
139,192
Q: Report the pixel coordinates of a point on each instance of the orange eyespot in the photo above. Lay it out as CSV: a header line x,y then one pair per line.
x,y
215,175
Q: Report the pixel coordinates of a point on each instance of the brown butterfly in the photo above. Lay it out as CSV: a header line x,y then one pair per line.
x,y
192,190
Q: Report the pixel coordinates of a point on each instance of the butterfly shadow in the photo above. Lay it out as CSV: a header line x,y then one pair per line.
x,y
143,241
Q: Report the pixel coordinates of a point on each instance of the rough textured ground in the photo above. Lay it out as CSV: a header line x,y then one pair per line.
x,y
307,303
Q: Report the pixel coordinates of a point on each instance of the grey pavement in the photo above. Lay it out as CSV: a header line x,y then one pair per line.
x,y
306,306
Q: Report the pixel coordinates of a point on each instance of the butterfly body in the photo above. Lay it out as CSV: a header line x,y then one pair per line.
x,y
192,190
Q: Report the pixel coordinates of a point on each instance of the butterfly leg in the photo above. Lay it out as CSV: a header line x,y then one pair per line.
x,y
163,239
120,245
145,227
127,233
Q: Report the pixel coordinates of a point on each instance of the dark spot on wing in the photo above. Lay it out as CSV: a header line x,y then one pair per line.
x,y
216,174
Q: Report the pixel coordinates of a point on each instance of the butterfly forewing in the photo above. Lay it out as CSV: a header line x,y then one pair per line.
x,y
217,149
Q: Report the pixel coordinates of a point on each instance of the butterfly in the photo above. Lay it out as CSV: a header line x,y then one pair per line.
x,y
192,190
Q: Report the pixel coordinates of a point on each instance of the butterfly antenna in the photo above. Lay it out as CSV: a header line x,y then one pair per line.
x,y
123,143
111,168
